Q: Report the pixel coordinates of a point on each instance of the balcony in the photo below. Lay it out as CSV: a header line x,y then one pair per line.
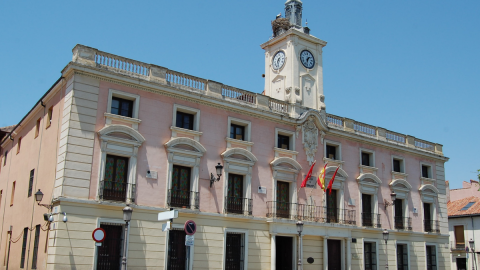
x,y
116,191
432,226
183,199
403,223
457,246
371,220
236,205
312,213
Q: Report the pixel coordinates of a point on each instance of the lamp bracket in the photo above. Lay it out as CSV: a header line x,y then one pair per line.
x,y
48,206
387,204
213,179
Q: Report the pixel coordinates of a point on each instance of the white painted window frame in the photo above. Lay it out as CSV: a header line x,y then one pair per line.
x,y
377,243
403,168
124,95
185,109
245,243
436,253
192,248
406,243
372,156
338,151
113,221
247,124
284,132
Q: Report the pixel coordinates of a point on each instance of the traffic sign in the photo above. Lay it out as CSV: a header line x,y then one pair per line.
x,y
190,227
163,216
189,240
98,235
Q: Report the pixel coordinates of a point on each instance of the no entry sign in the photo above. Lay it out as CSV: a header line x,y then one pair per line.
x,y
98,235
190,227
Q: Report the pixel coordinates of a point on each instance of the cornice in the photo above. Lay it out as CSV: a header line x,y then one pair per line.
x,y
291,32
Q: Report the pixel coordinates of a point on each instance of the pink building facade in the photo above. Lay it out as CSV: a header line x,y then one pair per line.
x,y
126,132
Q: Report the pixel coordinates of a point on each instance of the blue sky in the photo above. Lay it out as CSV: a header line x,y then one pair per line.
x,y
408,66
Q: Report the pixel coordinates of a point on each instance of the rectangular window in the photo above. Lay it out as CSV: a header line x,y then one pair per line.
x,y
109,254
397,165
235,200
431,258
122,107
179,195
30,182
5,158
19,144
367,213
49,117
184,120
331,152
366,159
370,256
459,237
24,248
35,247
402,257
399,219
235,251
177,252
13,193
426,171
283,142
115,180
237,132
37,127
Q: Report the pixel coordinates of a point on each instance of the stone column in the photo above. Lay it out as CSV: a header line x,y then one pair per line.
x,y
325,253
349,254
273,250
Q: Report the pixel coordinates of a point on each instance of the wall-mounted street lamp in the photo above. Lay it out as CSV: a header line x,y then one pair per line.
x,y
39,197
219,169
127,216
385,237
299,230
472,247
393,195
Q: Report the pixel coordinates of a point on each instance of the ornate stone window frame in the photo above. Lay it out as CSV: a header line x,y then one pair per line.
x,y
429,194
184,152
112,144
402,188
338,184
285,169
430,179
372,157
280,151
338,152
369,183
177,131
134,120
402,164
238,161
247,143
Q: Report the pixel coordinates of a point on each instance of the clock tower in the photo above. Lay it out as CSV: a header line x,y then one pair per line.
x,y
293,61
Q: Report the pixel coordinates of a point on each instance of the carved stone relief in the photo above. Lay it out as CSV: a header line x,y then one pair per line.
x,y
310,139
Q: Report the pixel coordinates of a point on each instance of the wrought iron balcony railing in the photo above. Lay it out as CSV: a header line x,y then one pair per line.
x,y
236,205
116,191
431,226
371,220
183,199
403,223
457,246
313,213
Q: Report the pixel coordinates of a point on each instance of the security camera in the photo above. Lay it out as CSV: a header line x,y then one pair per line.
x,y
50,218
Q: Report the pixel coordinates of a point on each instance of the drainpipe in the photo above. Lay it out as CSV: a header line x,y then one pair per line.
x,y
474,261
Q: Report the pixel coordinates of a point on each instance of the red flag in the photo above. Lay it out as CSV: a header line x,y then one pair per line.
x,y
304,183
331,181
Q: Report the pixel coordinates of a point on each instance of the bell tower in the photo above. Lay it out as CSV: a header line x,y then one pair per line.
x,y
293,61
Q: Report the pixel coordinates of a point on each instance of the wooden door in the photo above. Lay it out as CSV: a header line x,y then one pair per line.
x,y
235,199
334,255
283,199
284,252
332,210
367,215
109,254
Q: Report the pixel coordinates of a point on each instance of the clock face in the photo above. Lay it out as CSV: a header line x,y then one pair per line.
x,y
307,59
278,60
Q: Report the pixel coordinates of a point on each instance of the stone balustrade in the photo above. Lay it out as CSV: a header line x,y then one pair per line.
x,y
92,57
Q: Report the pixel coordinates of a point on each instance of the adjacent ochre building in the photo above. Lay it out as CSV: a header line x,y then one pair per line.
x,y
114,131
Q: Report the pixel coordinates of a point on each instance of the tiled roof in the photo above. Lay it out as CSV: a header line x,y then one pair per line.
x,y
454,208
7,129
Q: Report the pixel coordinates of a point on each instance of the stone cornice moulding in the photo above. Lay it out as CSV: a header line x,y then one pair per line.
x,y
239,151
188,141
123,129
369,176
288,160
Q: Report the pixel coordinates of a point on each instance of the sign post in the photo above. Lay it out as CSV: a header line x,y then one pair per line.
x,y
98,235
190,229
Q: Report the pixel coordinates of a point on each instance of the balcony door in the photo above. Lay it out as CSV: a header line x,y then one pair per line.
x,y
115,181
332,209
180,192
235,199
283,199
427,217
399,220
284,252
367,213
